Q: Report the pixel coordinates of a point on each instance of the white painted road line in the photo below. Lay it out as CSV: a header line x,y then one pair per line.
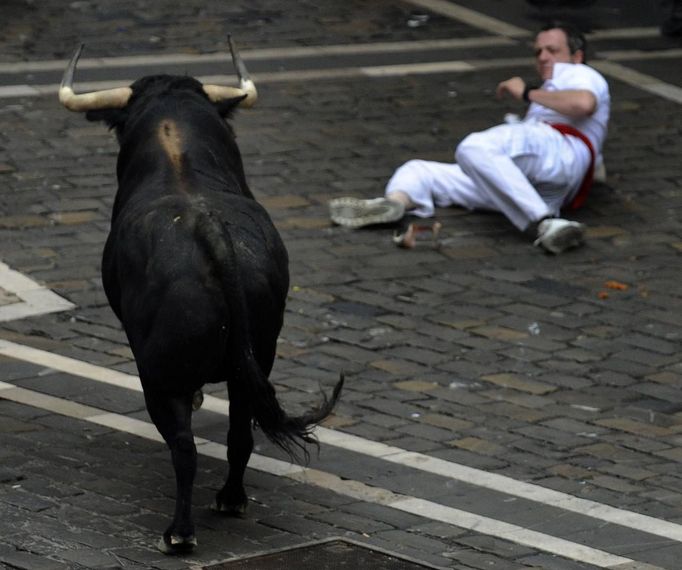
x,y
283,53
35,299
161,59
638,54
91,371
69,365
494,26
417,68
377,450
624,33
471,18
340,73
610,68
640,80
503,484
331,482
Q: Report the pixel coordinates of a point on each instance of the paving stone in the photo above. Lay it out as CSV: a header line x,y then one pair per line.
x,y
475,559
561,439
635,427
424,431
91,558
446,422
352,522
476,445
417,546
513,411
519,383
300,526
416,444
547,561
571,471
515,398
27,501
614,483
28,561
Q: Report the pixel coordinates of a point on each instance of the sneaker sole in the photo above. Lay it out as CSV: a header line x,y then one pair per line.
x,y
566,238
357,213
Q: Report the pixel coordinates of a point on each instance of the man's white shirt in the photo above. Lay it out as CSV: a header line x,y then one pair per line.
x,y
577,76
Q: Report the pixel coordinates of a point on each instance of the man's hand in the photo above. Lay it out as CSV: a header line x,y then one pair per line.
x,y
513,87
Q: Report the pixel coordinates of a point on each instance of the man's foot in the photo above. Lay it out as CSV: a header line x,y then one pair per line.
x,y
557,235
357,213
415,228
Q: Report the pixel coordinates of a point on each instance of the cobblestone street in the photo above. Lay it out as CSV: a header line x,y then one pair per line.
x,y
503,408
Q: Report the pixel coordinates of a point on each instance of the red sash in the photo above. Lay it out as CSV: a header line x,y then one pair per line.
x,y
586,184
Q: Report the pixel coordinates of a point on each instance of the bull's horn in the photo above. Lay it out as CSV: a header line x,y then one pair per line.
x,y
246,87
107,99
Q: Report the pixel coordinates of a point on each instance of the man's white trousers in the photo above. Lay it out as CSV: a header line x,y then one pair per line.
x,y
527,171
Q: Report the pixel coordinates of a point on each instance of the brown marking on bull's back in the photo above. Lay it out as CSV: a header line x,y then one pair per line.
x,y
170,138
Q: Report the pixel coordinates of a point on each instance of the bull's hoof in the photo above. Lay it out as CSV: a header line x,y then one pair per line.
x,y
231,500
197,400
235,510
174,544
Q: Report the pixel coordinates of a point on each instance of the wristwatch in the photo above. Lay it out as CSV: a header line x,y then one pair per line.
x,y
527,90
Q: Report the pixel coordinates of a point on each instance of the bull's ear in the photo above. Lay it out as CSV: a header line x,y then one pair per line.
x,y
114,118
226,106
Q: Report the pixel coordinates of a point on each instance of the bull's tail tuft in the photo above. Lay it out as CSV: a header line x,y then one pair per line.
x,y
291,434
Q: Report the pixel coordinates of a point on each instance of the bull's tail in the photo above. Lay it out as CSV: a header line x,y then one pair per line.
x,y
287,432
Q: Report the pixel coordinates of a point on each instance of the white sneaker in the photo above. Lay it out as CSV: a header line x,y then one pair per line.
x,y
356,213
557,235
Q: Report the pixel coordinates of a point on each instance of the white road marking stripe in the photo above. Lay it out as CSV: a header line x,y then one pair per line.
x,y
91,371
640,80
495,26
624,33
331,482
7,91
47,402
129,425
502,484
418,461
511,532
471,17
417,68
35,299
256,54
638,55
161,59
69,365
611,68
12,91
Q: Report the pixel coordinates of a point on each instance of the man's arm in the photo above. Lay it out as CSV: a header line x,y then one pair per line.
x,y
570,102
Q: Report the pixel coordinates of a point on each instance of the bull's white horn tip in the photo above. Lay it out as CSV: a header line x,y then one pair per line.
x,y
65,96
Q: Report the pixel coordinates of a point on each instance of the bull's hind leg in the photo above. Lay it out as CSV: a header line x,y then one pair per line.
x,y
172,416
231,499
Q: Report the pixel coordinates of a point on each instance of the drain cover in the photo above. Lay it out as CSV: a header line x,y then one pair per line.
x,y
326,555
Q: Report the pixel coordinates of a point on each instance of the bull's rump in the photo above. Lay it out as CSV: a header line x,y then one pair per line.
x,y
193,281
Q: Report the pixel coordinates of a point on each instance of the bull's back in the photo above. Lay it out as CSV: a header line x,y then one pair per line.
x,y
192,279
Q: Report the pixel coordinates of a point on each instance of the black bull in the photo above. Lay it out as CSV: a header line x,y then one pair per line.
x,y
196,272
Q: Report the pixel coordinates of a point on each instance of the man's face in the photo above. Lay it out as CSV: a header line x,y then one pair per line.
x,y
551,47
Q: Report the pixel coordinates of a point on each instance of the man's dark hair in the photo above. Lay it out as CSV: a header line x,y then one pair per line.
x,y
574,37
